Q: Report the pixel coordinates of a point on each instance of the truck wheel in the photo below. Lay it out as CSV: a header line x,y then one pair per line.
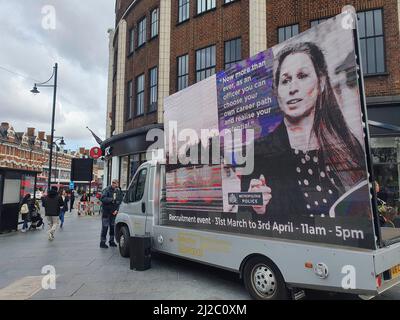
x,y
264,281
123,241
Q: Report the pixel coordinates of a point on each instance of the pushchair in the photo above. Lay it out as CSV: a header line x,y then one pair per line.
x,y
36,220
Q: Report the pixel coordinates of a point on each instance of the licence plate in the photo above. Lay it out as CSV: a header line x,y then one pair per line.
x,y
395,271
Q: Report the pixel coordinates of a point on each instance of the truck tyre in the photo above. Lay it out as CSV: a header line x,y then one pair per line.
x,y
264,281
123,241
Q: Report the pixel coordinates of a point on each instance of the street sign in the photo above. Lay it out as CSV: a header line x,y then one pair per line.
x,y
95,153
72,185
82,169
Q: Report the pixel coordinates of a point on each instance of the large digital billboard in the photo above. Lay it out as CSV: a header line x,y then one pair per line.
x,y
274,146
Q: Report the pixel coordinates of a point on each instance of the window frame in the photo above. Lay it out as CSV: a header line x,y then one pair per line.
x,y
142,32
151,87
139,95
131,41
205,69
206,8
184,76
183,5
232,62
374,37
285,28
129,100
319,21
154,22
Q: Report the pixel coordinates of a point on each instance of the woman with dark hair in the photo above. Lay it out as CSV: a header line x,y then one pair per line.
x,y
312,158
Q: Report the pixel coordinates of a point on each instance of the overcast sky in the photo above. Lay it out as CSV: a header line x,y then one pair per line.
x,y
29,46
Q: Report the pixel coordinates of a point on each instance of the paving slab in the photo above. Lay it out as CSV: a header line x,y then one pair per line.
x,y
86,272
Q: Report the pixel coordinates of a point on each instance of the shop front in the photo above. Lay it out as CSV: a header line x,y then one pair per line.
x,y
124,154
385,147
14,185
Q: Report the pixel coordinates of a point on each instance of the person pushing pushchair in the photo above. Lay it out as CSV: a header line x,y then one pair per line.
x,y
34,215
30,213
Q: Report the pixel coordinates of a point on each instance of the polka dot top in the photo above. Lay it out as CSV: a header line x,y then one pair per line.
x,y
317,182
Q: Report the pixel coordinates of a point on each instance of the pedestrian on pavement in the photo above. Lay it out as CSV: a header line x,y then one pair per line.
x,y
84,197
64,208
52,204
83,206
72,200
111,199
24,208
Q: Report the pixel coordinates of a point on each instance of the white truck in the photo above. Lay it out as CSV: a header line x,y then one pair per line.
x,y
211,213
268,266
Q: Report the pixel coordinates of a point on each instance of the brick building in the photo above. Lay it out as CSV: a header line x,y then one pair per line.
x,y
159,47
30,152
24,168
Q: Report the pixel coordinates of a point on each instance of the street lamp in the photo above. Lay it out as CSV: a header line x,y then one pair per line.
x,y
36,91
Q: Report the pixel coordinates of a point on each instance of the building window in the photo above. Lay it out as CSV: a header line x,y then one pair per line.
x,y
140,95
205,63
386,165
183,9
205,5
233,52
131,40
153,89
317,22
285,33
129,100
154,23
142,32
372,41
123,172
183,72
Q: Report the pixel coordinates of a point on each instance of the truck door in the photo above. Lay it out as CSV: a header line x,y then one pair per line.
x,y
137,200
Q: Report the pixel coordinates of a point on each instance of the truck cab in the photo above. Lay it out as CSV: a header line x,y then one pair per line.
x,y
140,207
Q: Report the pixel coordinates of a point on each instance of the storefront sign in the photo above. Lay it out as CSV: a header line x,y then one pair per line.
x,y
95,153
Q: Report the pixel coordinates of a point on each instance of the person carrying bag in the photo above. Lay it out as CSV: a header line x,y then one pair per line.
x,y
24,211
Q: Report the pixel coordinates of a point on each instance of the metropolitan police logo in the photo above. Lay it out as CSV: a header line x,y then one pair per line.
x,y
233,199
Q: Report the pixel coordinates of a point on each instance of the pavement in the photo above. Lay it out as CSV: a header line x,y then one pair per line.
x,y
86,272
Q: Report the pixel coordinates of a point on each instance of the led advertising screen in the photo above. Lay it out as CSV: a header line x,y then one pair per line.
x,y
274,146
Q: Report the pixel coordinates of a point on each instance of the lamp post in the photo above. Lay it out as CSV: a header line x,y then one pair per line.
x,y
35,91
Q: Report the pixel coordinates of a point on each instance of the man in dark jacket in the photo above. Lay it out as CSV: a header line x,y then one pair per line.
x,y
52,204
72,200
111,199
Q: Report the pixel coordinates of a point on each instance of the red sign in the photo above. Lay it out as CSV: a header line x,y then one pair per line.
x,y
95,153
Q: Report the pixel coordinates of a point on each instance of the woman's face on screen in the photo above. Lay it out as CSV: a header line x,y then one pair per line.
x,y
298,86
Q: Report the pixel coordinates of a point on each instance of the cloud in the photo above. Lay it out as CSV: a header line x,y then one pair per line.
x,y
80,46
